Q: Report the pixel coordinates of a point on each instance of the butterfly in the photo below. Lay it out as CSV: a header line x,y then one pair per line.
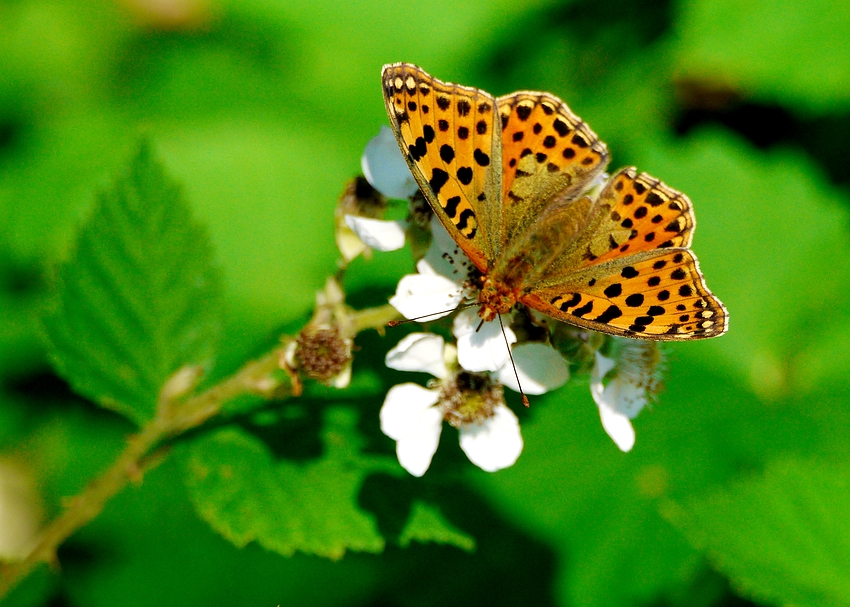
x,y
508,178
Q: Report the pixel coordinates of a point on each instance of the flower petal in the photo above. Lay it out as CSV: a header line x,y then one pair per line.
x,y
376,233
415,450
429,295
618,402
403,406
385,168
494,444
419,352
600,369
617,425
539,366
484,349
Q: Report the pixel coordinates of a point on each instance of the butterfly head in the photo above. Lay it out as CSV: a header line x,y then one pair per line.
x,y
495,298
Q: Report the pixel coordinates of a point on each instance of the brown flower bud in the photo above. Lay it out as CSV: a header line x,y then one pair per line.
x,y
323,353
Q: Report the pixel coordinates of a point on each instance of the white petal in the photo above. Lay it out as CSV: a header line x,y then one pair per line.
x,y
444,257
483,349
416,449
419,352
349,243
437,261
440,237
385,168
630,399
600,369
342,379
378,234
618,426
618,402
430,295
403,406
494,444
539,366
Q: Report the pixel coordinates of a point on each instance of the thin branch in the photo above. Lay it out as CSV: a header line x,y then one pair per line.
x,y
174,417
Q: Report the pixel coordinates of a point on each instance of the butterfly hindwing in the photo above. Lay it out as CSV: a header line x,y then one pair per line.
x,y
634,213
447,134
658,295
548,155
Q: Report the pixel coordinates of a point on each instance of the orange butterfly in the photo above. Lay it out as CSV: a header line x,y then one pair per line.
x,y
507,178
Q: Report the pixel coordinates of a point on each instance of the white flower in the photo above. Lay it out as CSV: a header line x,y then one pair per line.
x,y
619,401
539,367
376,233
385,168
386,171
481,349
441,282
413,416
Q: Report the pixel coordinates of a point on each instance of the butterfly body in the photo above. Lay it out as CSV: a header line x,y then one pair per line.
x,y
516,181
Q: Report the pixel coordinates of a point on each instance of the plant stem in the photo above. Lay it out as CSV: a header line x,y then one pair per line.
x,y
85,506
182,417
172,420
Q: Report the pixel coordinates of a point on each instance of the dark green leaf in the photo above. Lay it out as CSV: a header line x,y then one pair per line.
x,y
783,538
139,296
783,50
247,495
426,524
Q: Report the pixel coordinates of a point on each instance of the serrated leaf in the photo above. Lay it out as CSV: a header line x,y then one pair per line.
x,y
239,488
426,524
139,296
797,52
783,537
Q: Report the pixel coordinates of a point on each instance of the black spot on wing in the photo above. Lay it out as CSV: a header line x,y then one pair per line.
x,y
439,178
610,314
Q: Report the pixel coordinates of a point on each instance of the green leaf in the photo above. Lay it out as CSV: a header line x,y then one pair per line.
x,y
139,297
426,524
247,495
792,51
783,537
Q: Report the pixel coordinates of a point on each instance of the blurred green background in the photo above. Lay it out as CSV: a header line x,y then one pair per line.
x,y
262,110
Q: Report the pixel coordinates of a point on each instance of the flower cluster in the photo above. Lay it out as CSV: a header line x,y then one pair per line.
x,y
514,351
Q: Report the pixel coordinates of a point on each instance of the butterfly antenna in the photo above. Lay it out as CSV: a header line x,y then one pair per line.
x,y
395,323
513,365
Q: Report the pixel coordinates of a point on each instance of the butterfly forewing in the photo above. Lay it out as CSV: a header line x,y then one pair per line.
x,y
448,137
652,295
548,155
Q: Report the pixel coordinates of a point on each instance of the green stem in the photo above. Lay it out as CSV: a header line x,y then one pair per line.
x,y
87,505
174,418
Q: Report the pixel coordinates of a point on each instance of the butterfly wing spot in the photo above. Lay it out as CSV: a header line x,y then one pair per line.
x,y
655,215
566,150
647,298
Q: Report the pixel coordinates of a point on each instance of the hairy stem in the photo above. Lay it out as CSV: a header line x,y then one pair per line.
x,y
174,418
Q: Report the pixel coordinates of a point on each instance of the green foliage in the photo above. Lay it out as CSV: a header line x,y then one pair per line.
x,y
426,524
139,297
786,51
263,117
783,538
246,494
238,487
